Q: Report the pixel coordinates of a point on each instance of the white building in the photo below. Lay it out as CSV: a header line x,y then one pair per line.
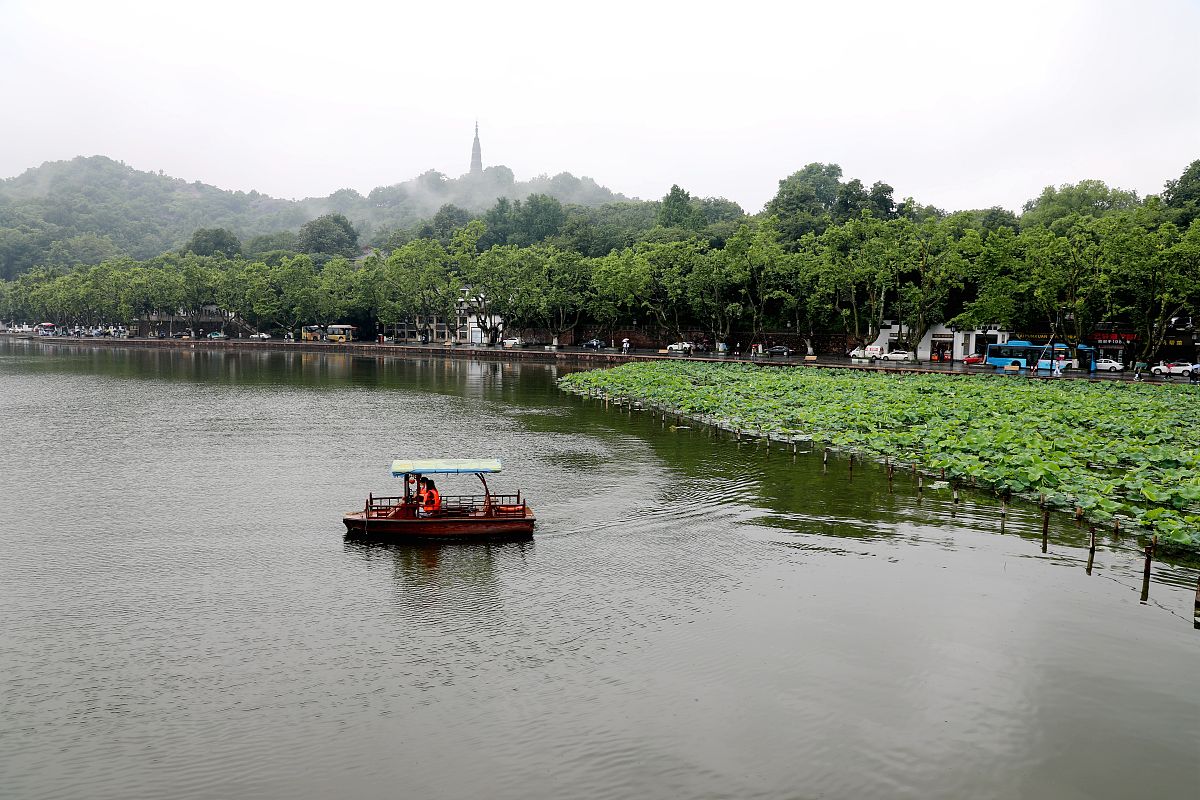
x,y
941,341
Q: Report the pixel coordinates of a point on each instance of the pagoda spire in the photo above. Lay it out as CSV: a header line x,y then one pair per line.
x,y
476,157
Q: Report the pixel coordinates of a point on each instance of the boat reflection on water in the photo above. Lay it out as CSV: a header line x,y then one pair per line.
x,y
443,570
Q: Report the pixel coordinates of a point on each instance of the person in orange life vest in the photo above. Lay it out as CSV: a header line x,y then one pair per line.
x,y
421,494
431,500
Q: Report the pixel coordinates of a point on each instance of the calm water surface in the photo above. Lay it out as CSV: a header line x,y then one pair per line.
x,y
183,618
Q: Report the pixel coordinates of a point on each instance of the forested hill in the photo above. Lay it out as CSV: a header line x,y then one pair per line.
x,y
88,210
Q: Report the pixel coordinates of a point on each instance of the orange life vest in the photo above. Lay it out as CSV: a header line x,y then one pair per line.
x,y
432,500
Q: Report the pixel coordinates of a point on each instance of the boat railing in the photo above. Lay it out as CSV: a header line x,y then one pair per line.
x,y
383,504
496,505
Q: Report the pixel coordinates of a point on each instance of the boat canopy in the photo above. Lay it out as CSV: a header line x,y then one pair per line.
x,y
452,466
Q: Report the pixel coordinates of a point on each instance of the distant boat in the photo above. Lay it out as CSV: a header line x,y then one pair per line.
x,y
480,516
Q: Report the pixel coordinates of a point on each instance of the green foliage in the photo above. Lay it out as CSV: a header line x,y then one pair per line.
x,y
143,214
331,234
1115,450
1183,195
676,211
213,241
270,242
1087,198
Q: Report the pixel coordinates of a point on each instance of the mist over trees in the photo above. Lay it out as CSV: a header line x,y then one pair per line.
x,y
67,213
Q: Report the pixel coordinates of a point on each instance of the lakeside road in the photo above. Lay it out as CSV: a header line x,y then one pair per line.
x,y
566,356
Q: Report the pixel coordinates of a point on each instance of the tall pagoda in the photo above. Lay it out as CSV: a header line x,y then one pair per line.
x,y
476,157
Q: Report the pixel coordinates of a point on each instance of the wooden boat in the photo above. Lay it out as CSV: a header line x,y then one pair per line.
x,y
482,516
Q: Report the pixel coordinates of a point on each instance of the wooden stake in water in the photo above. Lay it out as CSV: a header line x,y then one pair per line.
x,y
1045,527
1146,572
1196,617
1091,549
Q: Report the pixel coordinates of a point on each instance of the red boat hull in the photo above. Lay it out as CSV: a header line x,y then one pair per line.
x,y
470,527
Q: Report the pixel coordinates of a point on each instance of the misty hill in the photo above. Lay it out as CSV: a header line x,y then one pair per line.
x,y
90,209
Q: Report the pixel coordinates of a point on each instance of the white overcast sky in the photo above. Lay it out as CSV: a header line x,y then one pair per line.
x,y
959,104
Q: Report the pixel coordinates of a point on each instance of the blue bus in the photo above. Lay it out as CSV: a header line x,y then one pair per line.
x,y
1026,355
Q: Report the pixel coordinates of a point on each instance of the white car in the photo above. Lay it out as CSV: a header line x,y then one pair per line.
x,y
680,347
260,335
897,355
1108,365
514,341
1183,368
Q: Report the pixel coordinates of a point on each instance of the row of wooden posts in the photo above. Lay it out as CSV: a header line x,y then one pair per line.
x,y
1149,551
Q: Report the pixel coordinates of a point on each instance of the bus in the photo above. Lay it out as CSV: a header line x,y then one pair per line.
x,y
312,333
1026,355
340,333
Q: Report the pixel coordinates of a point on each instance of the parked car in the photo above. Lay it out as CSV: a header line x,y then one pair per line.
x,y
680,347
974,358
513,341
594,344
1108,365
260,335
217,335
1183,368
897,355
779,350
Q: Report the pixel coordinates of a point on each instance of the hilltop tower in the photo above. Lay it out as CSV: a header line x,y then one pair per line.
x,y
476,157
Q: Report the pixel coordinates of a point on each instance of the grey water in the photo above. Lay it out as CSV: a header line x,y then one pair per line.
x,y
181,615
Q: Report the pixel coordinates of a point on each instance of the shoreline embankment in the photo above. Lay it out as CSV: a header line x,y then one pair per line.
x,y
588,359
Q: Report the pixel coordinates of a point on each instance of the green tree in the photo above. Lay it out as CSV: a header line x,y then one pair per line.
x,y
1156,272
1090,198
445,222
677,210
539,218
716,286
85,248
331,235
269,242
568,278
213,241
805,200
934,263
1183,195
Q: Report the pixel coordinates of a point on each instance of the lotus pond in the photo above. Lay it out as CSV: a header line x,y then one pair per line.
x,y
1123,454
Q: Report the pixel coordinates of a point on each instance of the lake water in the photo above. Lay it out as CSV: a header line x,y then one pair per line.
x,y
183,618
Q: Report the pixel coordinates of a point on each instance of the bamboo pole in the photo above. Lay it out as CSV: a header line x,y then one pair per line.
x,y
1146,571
1091,549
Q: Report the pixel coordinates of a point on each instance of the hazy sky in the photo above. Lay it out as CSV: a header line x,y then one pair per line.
x,y
959,104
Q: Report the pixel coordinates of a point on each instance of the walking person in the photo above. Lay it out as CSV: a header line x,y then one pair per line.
x,y
625,346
